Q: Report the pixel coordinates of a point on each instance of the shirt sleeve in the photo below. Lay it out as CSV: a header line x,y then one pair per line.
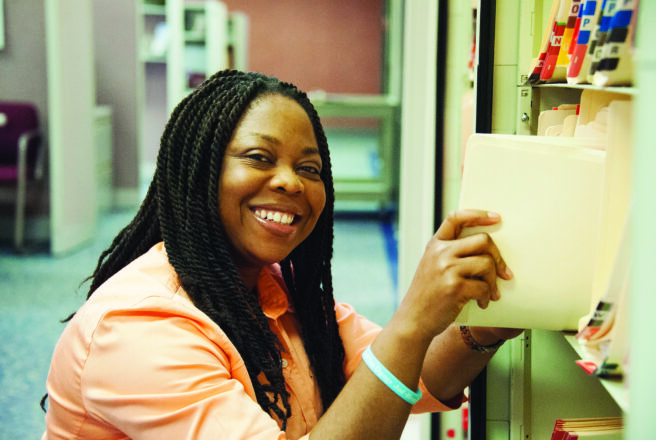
x,y
357,334
155,375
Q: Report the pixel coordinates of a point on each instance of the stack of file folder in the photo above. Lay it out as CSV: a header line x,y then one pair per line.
x,y
587,41
597,428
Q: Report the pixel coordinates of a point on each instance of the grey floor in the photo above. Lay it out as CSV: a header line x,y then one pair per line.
x,y
37,291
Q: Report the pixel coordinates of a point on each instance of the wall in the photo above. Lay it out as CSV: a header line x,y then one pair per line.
x,y
118,78
23,61
332,45
71,102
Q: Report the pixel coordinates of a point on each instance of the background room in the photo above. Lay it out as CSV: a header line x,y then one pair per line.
x,y
109,78
401,86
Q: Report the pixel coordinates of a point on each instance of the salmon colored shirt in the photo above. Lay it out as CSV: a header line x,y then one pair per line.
x,y
140,361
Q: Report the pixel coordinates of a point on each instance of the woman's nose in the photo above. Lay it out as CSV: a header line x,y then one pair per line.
x,y
285,179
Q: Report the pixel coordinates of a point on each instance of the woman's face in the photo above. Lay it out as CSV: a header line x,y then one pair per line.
x,y
270,190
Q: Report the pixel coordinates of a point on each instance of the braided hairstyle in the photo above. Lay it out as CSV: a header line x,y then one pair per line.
x,y
181,208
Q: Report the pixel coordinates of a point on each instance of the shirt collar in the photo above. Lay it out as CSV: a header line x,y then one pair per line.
x,y
272,292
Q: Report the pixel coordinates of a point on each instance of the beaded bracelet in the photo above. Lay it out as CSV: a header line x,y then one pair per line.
x,y
389,379
471,342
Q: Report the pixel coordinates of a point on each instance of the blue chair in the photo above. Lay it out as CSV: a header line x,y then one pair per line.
x,y
21,157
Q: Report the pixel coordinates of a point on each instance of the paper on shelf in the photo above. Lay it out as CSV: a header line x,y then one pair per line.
x,y
577,70
566,47
592,121
550,118
537,64
604,337
608,11
555,66
616,62
617,192
548,191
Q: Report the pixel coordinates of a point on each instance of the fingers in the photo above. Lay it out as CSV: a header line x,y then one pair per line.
x,y
481,268
453,224
476,290
480,244
477,262
463,269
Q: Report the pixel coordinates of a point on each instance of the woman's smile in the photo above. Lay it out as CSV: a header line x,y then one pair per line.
x,y
275,216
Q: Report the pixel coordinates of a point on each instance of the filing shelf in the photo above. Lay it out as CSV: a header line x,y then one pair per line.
x,y
615,386
541,380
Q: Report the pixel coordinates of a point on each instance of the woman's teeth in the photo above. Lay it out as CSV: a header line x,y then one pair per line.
x,y
275,216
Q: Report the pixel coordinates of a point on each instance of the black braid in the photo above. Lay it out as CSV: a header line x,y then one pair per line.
x,y
181,208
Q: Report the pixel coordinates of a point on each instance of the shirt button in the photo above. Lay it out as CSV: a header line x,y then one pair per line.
x,y
284,363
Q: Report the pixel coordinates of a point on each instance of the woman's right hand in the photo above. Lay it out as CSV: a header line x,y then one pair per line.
x,y
454,271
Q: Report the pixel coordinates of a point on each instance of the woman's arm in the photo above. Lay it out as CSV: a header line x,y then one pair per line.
x,y
452,272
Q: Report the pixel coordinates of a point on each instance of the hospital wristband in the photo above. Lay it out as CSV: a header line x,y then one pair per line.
x,y
389,379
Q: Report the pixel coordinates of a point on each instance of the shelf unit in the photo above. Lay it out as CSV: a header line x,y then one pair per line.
x,y
378,188
534,379
182,42
193,39
615,387
153,40
554,386
198,45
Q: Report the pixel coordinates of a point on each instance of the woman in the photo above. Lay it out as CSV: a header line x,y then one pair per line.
x,y
212,315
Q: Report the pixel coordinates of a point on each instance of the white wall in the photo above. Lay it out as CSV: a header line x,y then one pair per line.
x,y
119,84
71,100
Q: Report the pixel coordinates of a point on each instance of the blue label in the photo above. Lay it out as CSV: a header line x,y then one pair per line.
x,y
584,37
622,18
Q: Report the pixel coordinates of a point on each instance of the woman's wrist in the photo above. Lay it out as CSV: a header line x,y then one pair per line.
x,y
481,339
409,329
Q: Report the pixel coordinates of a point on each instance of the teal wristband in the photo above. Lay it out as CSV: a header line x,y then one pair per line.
x,y
389,379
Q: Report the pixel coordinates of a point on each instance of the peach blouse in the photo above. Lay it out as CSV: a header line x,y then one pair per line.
x,y
140,361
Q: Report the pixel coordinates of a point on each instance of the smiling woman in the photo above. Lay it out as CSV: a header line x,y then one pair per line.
x,y
212,313
225,151
270,190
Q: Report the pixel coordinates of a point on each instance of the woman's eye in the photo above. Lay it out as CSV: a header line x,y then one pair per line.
x,y
258,157
310,169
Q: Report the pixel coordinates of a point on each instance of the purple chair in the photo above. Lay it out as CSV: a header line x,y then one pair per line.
x,y
21,153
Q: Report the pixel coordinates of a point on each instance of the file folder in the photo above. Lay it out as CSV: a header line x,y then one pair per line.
x,y
616,60
548,191
581,58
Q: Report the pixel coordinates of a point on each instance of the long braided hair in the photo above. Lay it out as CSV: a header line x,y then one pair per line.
x,y
181,208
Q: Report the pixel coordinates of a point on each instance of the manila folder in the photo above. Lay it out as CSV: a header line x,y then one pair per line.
x,y
548,192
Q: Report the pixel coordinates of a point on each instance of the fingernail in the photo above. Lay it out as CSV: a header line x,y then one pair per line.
x,y
493,215
509,273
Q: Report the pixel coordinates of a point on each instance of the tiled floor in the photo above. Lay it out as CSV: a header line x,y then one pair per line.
x,y
37,290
